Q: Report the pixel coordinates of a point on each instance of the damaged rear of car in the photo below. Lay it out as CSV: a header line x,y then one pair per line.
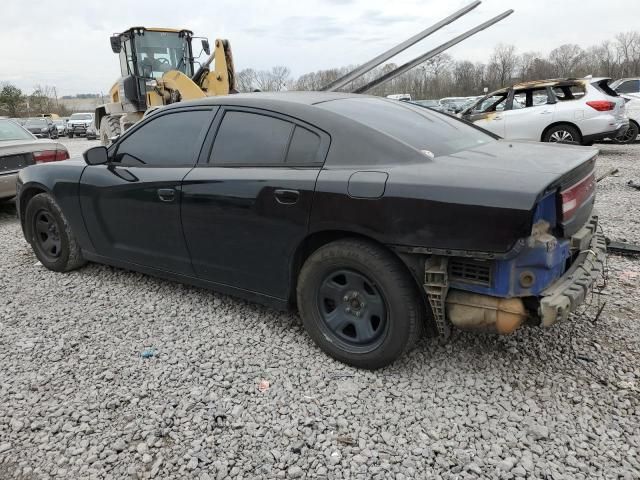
x,y
498,234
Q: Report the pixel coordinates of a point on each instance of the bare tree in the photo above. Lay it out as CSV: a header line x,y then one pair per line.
x,y
566,59
502,64
246,80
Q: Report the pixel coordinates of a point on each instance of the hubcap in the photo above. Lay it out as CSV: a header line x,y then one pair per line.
x,y
630,135
561,136
352,309
47,234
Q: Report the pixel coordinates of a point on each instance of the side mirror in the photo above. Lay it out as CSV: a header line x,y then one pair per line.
x,y
116,45
205,46
96,156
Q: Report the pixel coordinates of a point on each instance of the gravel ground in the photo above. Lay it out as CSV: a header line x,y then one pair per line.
x,y
236,390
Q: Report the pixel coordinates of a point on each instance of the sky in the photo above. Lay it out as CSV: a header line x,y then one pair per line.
x,y
65,43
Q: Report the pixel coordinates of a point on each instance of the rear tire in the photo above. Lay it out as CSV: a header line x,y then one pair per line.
x,y
359,304
630,135
70,135
50,235
562,134
109,128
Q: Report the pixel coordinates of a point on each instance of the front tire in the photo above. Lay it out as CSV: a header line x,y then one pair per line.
x,y
109,128
50,235
359,304
563,134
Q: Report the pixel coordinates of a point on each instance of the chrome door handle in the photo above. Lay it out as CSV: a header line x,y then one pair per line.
x,y
166,194
287,197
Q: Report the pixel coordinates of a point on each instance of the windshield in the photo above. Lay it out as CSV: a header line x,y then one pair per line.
x,y
421,128
159,52
80,116
36,122
12,131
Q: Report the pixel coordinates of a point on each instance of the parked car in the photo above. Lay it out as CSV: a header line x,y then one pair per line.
x,y
626,85
18,149
632,109
403,97
78,124
434,104
91,133
454,104
41,127
61,126
376,218
568,111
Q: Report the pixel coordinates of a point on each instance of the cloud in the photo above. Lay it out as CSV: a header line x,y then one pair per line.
x,y
66,44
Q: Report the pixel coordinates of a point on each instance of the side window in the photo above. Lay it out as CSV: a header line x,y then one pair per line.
x,y
530,98
166,141
251,139
569,92
630,86
304,147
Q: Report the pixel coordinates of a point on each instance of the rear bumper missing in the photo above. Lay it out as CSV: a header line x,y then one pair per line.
x,y
569,291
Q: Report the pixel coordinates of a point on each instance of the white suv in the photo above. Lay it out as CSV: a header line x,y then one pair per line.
x,y
569,111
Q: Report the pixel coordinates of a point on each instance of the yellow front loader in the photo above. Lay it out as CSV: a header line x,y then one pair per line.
x,y
157,66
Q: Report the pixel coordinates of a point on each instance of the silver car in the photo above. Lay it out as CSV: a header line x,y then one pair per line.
x,y
18,149
578,111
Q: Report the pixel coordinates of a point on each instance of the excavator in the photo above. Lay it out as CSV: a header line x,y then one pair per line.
x,y
157,66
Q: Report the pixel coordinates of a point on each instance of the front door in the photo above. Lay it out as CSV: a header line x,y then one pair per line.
x,y
488,113
131,206
246,208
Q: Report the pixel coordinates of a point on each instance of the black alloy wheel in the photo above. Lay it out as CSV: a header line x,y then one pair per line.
x,y
47,235
353,310
359,303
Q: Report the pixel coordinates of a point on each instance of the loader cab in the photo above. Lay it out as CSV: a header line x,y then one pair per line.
x,y
150,53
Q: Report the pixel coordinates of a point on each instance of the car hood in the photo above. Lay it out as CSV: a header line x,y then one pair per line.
x,y
501,174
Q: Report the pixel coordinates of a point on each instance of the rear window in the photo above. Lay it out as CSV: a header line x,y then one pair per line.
x,y
12,131
419,127
569,92
603,86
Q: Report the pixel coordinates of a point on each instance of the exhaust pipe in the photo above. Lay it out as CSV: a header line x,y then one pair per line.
x,y
473,311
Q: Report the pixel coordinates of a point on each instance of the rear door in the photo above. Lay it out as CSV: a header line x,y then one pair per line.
x,y
131,207
246,206
532,110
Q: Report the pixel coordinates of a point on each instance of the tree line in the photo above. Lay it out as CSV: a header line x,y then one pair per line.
x,y
441,76
14,103
444,76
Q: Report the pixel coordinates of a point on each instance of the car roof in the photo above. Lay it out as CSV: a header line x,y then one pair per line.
x,y
275,98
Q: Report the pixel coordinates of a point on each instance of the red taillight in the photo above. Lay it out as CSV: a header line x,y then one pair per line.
x,y
602,105
574,196
50,156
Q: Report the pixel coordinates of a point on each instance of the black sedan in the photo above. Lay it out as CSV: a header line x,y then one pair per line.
x,y
42,127
377,219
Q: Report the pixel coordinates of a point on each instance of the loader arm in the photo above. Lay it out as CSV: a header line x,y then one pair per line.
x,y
221,79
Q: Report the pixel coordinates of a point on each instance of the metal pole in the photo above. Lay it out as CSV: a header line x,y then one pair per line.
x,y
371,64
430,54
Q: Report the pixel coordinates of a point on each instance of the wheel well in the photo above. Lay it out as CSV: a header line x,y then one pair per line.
x,y
414,266
100,112
555,124
25,197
